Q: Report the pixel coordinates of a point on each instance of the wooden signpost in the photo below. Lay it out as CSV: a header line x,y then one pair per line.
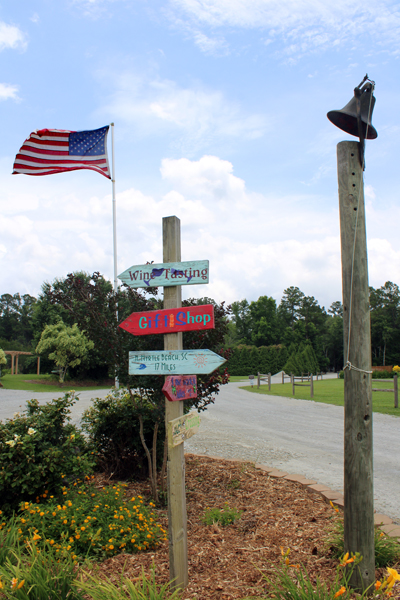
x,y
167,274
174,362
182,428
170,320
180,387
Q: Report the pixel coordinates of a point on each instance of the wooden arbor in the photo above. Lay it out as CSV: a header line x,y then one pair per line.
x,y
14,356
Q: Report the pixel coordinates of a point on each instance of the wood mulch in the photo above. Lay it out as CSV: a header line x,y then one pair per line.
x,y
228,562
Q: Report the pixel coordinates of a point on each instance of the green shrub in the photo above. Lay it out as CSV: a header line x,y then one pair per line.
x,y
38,575
87,522
39,451
341,375
223,517
292,582
112,427
387,549
382,374
144,589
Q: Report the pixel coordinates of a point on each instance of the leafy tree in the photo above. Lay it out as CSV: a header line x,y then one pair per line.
x,y
385,323
336,309
290,305
3,361
264,327
16,318
242,320
67,346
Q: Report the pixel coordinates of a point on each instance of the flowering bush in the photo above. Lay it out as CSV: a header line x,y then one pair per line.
x,y
87,522
40,450
112,428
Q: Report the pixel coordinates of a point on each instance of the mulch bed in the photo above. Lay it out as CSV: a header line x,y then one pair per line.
x,y
227,562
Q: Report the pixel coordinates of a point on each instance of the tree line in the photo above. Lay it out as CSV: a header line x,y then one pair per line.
x,y
298,333
257,336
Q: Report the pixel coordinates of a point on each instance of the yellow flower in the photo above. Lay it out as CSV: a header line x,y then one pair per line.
x,y
340,592
378,584
346,560
14,583
392,577
36,537
1,585
333,506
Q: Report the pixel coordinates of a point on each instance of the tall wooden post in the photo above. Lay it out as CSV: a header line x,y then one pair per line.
x,y
177,519
358,449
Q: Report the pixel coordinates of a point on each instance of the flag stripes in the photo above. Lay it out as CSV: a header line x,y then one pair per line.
x,y
50,151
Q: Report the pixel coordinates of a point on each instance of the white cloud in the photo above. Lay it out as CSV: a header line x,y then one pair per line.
x,y
11,37
256,244
305,25
8,91
196,115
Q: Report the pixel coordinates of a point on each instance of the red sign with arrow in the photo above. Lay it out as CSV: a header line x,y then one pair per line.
x,y
170,320
180,387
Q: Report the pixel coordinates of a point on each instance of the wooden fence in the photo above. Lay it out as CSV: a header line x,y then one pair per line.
x,y
302,378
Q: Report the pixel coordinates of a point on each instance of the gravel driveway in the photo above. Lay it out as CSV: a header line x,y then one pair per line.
x,y
297,436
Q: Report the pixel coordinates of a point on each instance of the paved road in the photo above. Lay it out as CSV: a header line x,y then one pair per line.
x,y
297,436
12,401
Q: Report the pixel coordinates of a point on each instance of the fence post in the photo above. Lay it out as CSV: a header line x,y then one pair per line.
x,y
258,379
283,376
395,389
292,380
311,386
269,382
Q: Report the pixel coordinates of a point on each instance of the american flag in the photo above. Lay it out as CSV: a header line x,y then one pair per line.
x,y
49,151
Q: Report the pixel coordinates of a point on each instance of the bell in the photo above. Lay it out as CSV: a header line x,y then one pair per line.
x,y
347,118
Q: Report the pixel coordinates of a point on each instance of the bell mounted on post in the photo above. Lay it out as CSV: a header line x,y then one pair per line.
x,y
355,117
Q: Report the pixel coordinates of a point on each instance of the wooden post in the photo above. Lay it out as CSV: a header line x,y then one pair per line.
x,y
269,382
292,380
177,517
311,386
395,389
12,364
358,448
38,366
283,376
258,380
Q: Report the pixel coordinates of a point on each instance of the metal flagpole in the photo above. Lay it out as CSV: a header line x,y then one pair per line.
x,y
114,205
114,209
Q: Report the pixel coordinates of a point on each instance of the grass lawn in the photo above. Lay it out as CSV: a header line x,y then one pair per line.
x,y
27,382
330,391
239,378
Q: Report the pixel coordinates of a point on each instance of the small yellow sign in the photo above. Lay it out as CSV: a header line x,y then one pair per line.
x,y
183,428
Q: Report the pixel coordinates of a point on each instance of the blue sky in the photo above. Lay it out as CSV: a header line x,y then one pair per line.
x,y
220,119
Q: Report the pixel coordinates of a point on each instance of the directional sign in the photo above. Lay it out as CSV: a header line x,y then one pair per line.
x,y
182,428
170,320
174,362
153,275
180,387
